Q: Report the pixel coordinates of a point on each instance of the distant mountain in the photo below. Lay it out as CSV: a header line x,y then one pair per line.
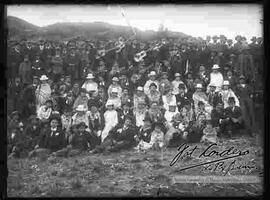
x,y
18,28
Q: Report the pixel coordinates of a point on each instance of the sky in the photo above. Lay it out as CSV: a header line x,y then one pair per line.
x,y
195,20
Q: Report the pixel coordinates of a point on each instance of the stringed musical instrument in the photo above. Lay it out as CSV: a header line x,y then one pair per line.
x,y
139,56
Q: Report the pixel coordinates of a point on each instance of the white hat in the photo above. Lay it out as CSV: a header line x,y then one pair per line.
x,y
226,82
43,78
114,90
177,74
109,102
152,73
81,108
90,76
212,85
140,88
215,66
199,85
115,79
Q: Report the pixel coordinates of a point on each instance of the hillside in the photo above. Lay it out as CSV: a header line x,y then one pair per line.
x,y
19,28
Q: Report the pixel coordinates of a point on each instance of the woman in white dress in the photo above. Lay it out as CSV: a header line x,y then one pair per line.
x,y
111,119
43,92
216,78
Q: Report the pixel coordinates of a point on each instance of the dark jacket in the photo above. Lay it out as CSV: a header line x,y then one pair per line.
x,y
53,140
84,141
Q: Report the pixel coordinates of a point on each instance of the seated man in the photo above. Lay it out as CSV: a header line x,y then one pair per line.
x,y
52,140
144,135
120,137
233,119
82,140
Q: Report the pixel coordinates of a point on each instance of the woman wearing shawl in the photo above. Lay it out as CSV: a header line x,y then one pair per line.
x,y
43,91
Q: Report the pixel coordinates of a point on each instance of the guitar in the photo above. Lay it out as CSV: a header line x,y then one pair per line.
x,y
139,56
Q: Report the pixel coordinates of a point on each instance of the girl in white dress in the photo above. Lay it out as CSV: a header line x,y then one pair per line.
x,y
111,119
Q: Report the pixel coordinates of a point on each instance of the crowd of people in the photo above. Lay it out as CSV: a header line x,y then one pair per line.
x,y
105,96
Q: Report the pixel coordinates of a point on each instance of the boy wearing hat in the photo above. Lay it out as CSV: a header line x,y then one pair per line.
x,y
115,87
144,135
152,79
198,96
81,115
176,82
213,96
226,93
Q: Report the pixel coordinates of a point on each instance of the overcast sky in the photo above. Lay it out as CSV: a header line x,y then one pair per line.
x,y
195,20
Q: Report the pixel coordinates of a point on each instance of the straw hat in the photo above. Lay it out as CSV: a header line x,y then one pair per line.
x,y
115,79
81,108
199,85
152,73
215,66
43,78
90,76
140,88
226,82
177,75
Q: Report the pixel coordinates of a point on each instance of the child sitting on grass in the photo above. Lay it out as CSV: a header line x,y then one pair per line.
x,y
157,137
209,133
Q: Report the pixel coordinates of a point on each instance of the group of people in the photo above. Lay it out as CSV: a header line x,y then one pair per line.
x,y
106,96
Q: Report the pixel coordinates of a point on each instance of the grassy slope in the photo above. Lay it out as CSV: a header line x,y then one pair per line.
x,y
120,174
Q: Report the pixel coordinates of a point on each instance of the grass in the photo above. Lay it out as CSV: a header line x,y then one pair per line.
x,y
86,175
76,184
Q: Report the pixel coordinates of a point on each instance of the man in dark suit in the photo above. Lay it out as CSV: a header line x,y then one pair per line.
x,y
181,97
233,119
124,113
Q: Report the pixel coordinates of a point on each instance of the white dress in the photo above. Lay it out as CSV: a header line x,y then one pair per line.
x,y
175,85
43,93
168,101
111,120
217,80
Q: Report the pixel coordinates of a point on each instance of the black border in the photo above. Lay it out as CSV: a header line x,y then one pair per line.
x,y
3,87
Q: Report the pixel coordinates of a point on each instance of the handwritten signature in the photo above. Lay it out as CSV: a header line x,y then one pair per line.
x,y
185,151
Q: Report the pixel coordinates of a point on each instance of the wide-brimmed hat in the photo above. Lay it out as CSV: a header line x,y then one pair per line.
x,y
152,73
215,66
43,78
140,88
226,82
109,103
90,76
199,85
212,85
81,108
115,79
177,74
